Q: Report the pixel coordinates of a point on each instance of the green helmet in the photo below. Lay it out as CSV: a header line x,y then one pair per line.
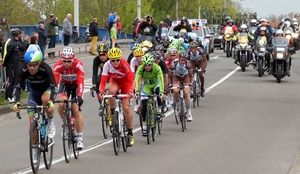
x,y
176,42
173,45
147,59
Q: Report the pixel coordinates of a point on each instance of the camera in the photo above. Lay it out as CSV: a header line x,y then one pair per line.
x,y
148,19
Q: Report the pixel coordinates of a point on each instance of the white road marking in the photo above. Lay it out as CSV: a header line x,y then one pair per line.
x,y
102,143
215,57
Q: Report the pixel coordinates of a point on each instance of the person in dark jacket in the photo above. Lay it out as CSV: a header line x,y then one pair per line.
x,y
42,41
183,26
4,27
147,37
168,21
149,22
134,25
93,28
51,32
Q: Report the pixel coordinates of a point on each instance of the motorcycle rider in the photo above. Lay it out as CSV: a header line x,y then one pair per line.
x,y
264,23
148,37
244,29
165,43
230,24
184,26
263,32
253,23
148,22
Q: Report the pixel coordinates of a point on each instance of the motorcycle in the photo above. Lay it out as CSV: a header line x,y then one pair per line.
x,y
280,57
260,55
252,30
228,35
87,37
243,51
146,46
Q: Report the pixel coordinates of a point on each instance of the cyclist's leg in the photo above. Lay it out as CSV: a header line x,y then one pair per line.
x,y
78,116
63,94
113,88
202,79
176,83
186,91
146,90
51,126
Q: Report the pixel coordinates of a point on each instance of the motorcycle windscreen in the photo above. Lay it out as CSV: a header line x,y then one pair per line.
x,y
261,40
280,41
228,30
243,38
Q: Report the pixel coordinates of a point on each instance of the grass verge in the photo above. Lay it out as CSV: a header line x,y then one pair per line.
x,y
24,95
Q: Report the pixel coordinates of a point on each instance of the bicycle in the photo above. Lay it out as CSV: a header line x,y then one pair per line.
x,y
151,117
182,111
69,138
196,87
104,113
39,130
118,123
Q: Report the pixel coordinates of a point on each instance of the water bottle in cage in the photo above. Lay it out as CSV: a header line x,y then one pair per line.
x,y
72,119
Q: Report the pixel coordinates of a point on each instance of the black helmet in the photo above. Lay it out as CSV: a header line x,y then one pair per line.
x,y
227,18
184,19
165,39
102,48
15,32
159,48
184,55
156,55
287,19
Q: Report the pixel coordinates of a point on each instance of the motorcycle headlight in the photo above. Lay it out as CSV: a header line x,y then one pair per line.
x,y
288,37
243,45
220,37
227,35
262,49
295,35
279,56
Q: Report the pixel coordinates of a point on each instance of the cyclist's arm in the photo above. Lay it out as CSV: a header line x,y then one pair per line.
x,y
129,74
56,72
160,77
51,80
80,79
132,65
138,76
104,77
95,70
190,71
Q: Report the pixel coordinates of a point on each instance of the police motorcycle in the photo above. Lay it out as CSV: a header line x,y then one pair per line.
x,y
289,34
252,30
260,53
243,51
228,36
280,57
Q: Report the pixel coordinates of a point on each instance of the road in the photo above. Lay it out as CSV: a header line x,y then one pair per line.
x,y
245,125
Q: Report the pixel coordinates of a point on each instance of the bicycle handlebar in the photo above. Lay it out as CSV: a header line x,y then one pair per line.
x,y
180,87
29,107
115,96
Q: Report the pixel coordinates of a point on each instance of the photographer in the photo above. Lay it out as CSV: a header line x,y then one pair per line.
x,y
184,26
148,22
51,33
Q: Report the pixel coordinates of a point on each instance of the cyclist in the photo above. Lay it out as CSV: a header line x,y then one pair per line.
x,y
182,71
197,57
136,61
132,48
40,77
69,71
121,78
98,62
152,82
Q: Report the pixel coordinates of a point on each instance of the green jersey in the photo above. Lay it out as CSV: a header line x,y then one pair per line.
x,y
151,78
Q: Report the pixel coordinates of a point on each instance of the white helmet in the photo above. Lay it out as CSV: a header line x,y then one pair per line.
x,y
244,26
295,20
262,20
279,32
287,23
295,23
181,40
253,21
193,36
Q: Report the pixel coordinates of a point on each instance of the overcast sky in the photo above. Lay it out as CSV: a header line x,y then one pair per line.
x,y
264,8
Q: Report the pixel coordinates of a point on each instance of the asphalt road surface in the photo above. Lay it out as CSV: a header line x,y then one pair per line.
x,y
245,125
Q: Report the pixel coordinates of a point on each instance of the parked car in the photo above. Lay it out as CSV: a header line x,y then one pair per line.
x,y
209,38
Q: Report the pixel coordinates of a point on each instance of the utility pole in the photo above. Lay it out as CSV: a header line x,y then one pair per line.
x,y
176,8
76,14
139,9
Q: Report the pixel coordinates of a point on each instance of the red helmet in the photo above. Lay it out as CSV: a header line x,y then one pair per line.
x,y
67,53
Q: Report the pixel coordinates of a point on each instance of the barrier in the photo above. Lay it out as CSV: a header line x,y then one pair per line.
x,y
103,34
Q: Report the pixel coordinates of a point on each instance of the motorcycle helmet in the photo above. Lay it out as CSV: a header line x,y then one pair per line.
x,y
159,48
287,23
279,32
295,24
15,32
227,18
287,19
230,22
295,20
253,22
184,19
244,27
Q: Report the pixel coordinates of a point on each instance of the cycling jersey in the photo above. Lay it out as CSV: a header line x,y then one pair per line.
x,y
152,78
196,57
180,70
122,75
134,64
97,63
72,75
40,81
163,67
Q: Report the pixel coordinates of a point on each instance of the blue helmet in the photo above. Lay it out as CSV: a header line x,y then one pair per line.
x,y
33,56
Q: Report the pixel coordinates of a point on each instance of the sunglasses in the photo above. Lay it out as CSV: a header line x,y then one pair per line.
x,y
172,55
148,65
115,60
67,61
102,54
32,64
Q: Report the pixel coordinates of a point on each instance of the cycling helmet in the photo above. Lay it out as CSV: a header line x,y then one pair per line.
x,y
147,30
156,55
146,44
184,55
176,42
287,19
159,48
165,39
193,44
33,56
172,50
181,40
135,46
244,27
114,53
102,48
15,32
147,59
173,45
193,36
67,53
279,32
138,52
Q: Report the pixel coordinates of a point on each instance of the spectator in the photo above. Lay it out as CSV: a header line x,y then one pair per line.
x,y
50,25
162,30
112,19
4,27
42,21
33,45
93,28
67,29
168,21
42,40
2,41
113,35
149,22
23,45
134,25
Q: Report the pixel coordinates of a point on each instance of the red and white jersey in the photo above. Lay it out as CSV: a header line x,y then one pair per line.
x,y
134,64
72,75
121,74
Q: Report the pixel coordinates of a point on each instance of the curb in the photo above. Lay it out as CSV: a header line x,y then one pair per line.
x,y
8,108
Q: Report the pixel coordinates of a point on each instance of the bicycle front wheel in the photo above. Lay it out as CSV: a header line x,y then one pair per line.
x,y
148,120
116,133
74,142
48,151
160,122
182,115
124,137
67,138
33,146
105,123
